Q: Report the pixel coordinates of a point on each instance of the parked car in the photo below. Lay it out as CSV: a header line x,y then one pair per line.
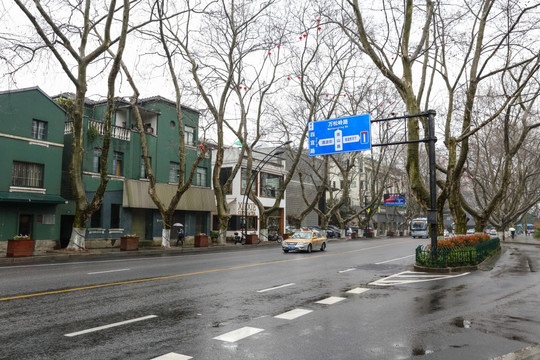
x,y
470,231
333,231
493,232
304,240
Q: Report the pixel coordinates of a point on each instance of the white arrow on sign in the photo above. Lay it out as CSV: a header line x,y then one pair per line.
x,y
326,142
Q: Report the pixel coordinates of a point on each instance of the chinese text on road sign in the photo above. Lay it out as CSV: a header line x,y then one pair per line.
x,y
341,135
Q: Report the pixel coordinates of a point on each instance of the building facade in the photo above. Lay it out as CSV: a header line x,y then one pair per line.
x,y
31,144
36,198
269,176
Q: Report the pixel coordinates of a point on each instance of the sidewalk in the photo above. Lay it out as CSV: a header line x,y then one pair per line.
x,y
520,239
114,252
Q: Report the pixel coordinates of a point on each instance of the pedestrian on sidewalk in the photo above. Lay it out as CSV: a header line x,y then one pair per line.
x,y
180,238
512,232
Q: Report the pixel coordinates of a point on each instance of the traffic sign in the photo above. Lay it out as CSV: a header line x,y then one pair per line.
x,y
347,134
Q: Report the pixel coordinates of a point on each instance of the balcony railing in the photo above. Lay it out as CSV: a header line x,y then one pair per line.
x,y
117,132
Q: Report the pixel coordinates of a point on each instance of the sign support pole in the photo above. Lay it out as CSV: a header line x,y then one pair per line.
x,y
432,212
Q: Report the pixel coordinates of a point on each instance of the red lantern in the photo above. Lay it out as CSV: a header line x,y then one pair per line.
x,y
288,78
304,35
319,28
318,20
278,46
269,53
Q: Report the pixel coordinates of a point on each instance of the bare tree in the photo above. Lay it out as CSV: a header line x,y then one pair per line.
x,y
458,45
58,36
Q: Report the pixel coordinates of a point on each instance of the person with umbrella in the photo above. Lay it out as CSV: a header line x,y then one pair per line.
x,y
512,232
180,238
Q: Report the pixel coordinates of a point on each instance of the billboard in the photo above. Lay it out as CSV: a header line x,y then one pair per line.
x,y
394,199
341,135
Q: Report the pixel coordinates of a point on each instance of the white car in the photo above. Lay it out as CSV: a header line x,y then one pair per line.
x,y
493,232
470,231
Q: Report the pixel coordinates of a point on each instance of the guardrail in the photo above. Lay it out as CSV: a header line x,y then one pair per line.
x,y
456,256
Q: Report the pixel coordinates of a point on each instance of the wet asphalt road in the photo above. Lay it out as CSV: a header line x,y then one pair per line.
x,y
192,305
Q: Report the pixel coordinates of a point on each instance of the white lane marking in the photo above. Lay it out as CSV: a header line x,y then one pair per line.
x,y
172,356
387,261
346,270
239,334
408,277
109,326
108,271
293,314
275,287
330,300
357,290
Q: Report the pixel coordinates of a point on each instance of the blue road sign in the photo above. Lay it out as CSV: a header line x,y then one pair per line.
x,y
341,135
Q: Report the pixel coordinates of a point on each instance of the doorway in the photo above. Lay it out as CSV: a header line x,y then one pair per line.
x,y
26,222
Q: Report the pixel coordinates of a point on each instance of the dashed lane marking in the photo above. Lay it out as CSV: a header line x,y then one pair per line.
x,y
275,287
172,356
107,271
346,270
239,334
109,326
293,314
330,300
409,277
357,290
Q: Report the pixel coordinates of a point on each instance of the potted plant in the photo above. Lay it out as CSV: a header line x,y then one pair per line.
x,y
214,236
201,240
129,242
20,245
252,238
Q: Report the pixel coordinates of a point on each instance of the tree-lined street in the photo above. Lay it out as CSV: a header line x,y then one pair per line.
x,y
358,299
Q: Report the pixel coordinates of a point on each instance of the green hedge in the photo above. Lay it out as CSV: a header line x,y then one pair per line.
x,y
456,256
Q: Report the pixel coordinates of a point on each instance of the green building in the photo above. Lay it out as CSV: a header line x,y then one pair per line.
x,y
31,144
127,207
36,196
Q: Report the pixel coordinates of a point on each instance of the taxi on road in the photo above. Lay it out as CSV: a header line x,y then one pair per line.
x,y
304,240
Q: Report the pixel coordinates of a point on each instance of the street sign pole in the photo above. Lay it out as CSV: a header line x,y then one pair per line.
x,y
432,218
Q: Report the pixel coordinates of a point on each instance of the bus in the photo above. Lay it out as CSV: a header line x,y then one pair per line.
x,y
419,228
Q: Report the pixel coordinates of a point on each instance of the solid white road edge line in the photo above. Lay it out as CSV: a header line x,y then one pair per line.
x,y
108,271
109,326
275,287
172,356
293,314
239,334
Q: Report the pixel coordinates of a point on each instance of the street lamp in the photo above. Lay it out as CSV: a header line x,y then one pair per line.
x,y
275,152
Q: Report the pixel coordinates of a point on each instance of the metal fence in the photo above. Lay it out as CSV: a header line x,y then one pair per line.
x,y
456,256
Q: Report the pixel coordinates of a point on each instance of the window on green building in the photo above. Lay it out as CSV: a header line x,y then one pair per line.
x,y
189,135
39,130
27,174
142,173
174,169
201,176
118,157
96,160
